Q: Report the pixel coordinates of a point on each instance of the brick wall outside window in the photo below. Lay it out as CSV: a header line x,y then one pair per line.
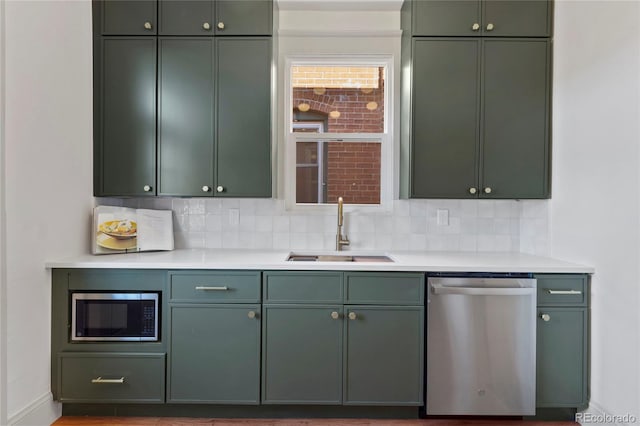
x,y
353,168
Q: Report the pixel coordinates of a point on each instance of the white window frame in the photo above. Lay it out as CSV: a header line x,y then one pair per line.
x,y
385,138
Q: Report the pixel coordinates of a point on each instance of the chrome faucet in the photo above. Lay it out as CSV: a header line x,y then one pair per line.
x,y
340,239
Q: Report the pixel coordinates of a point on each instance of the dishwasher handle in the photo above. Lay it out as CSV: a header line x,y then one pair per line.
x,y
483,291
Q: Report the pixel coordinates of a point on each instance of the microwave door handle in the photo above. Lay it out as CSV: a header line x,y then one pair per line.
x,y
482,291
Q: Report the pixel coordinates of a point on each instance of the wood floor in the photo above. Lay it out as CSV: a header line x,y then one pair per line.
x,y
180,421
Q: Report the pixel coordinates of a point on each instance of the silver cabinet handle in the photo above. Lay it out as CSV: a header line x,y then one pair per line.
x,y
335,315
101,380
475,27
490,27
206,26
220,188
147,188
545,317
205,288
221,25
205,188
472,190
251,314
563,291
487,190
148,26
352,315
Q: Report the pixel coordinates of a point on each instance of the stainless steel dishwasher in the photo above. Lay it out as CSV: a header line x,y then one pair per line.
x,y
481,346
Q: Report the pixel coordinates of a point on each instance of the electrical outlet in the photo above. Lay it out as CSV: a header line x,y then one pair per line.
x,y
234,217
442,216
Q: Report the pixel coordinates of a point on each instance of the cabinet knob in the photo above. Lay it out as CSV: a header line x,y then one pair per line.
x,y
545,317
148,26
220,188
475,27
221,25
487,190
206,26
352,315
147,188
251,314
472,190
490,27
205,188
335,315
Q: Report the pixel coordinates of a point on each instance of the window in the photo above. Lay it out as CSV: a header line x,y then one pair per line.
x,y
338,138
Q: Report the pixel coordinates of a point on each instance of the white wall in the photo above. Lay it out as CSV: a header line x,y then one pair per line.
x,y
3,251
595,210
48,175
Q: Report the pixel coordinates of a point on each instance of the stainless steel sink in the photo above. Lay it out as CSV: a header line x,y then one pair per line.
x,y
295,257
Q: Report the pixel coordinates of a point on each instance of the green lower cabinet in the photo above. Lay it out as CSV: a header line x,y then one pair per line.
x,y
562,366
103,377
215,354
383,355
302,354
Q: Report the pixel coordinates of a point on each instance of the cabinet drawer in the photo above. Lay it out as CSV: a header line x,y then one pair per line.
x,y
303,287
215,287
555,290
111,377
384,288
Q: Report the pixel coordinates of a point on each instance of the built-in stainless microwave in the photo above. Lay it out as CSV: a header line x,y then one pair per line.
x,y
114,316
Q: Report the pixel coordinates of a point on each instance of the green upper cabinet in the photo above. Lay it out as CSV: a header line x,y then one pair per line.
x,y
182,113
489,18
480,118
132,17
244,17
125,116
446,87
185,116
186,17
515,118
243,117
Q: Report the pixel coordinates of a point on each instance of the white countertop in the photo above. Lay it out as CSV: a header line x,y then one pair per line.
x,y
276,260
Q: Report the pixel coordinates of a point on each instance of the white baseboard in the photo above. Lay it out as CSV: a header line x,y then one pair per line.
x,y
597,415
41,412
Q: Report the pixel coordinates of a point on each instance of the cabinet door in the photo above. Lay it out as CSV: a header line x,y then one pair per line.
x,y
561,357
215,354
515,119
384,355
244,17
243,137
186,17
516,18
132,17
446,17
185,116
302,354
445,117
125,115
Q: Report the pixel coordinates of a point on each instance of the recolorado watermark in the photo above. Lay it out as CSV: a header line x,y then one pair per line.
x,y
584,418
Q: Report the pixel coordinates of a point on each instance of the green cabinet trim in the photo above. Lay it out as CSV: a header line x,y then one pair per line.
x,y
563,290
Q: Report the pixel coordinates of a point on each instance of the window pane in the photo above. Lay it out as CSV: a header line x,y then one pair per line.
x,y
328,170
341,99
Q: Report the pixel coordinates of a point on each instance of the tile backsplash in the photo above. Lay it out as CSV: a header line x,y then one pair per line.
x,y
473,225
